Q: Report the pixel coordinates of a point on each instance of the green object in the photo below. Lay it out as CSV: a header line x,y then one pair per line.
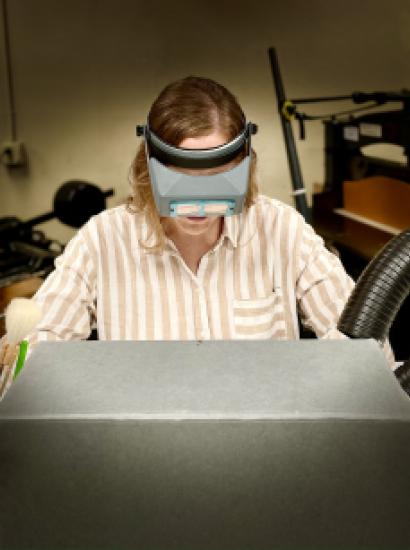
x,y
21,357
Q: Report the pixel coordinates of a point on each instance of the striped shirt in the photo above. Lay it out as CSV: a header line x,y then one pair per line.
x,y
267,269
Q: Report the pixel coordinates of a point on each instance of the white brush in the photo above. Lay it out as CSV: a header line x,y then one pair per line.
x,y
22,316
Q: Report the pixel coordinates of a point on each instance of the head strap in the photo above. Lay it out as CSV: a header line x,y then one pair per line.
x,y
196,158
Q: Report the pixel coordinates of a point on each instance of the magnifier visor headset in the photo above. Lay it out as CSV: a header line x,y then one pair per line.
x,y
179,194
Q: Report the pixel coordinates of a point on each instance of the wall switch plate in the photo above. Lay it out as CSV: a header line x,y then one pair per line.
x,y
13,153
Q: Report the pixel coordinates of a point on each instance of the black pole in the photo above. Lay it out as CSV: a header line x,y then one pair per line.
x,y
9,72
299,191
51,215
321,99
39,219
108,193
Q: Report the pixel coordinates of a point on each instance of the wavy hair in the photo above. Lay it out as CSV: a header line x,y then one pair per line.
x,y
188,108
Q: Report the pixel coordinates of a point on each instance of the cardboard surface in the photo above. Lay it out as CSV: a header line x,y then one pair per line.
x,y
205,446
212,379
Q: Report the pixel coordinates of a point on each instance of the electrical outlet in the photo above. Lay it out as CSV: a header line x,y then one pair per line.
x,y
13,153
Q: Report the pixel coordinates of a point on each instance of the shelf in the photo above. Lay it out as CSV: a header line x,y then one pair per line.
x,y
367,221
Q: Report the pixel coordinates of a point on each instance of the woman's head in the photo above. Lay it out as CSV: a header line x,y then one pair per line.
x,y
194,107
189,108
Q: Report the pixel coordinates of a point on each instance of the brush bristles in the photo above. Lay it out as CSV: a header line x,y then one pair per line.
x,y
22,316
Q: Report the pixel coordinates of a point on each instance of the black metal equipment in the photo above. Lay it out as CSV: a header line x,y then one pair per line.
x,y
346,134
345,137
25,250
299,191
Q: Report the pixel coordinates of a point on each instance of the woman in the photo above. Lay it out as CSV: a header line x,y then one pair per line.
x,y
137,275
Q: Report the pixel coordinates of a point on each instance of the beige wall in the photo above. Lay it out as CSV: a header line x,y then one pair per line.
x,y
86,71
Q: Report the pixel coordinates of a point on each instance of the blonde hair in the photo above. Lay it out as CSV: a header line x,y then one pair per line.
x,y
190,107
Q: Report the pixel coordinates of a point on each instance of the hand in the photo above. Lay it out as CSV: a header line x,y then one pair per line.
x,y
8,355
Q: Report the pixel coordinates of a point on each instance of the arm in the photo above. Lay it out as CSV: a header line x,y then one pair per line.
x,y
67,296
67,301
323,288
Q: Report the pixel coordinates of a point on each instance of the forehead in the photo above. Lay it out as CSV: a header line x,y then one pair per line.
x,y
204,142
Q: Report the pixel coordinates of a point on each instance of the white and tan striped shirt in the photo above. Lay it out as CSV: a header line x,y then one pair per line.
x,y
267,266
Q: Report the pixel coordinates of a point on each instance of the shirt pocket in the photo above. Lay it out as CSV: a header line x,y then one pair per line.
x,y
259,318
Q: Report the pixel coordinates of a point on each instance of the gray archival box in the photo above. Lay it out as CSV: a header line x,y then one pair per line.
x,y
211,445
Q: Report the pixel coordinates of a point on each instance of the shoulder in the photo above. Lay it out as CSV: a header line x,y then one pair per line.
x,y
265,203
278,212
283,222
111,225
112,215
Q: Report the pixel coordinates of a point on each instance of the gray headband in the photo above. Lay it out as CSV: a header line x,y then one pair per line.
x,y
196,158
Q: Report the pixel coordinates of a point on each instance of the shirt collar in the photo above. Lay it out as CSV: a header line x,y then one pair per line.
x,y
230,231
231,228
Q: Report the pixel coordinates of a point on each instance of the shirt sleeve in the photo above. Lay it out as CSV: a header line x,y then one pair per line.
x,y
323,288
67,297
